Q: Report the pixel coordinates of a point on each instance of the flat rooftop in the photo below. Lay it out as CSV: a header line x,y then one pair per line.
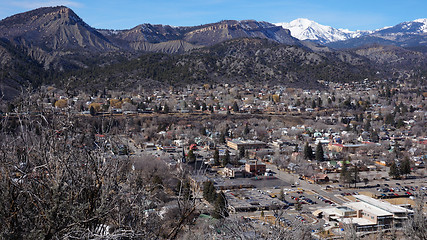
x,y
238,141
382,204
368,208
250,199
358,221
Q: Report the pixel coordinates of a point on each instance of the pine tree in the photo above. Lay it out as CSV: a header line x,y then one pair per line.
x,y
206,190
394,170
247,130
319,152
308,152
226,158
196,106
405,167
191,157
166,109
92,111
235,107
209,192
216,157
241,152
220,205
355,177
345,175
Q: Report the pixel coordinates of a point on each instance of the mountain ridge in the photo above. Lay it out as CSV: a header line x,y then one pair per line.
x,y
51,45
305,29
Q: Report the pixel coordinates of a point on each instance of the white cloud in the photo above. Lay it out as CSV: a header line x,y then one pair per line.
x,y
47,3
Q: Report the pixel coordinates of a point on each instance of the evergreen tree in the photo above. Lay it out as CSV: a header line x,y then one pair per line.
x,y
241,152
209,192
222,138
247,130
10,107
216,157
191,157
226,158
319,152
92,111
235,107
405,167
319,102
204,107
345,175
394,170
220,205
355,177
308,152
166,108
374,136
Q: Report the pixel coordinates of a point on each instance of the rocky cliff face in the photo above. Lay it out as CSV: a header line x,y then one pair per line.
x,y
50,34
193,37
49,44
46,34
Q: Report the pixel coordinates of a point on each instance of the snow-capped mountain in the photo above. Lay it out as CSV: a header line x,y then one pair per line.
x,y
305,29
406,34
418,26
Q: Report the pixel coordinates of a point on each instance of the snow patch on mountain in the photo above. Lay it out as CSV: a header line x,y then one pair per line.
x,y
305,29
423,27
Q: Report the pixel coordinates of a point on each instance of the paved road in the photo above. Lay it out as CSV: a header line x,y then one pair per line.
x,y
292,178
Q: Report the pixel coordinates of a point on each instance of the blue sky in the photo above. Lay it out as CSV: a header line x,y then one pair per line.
x,y
124,14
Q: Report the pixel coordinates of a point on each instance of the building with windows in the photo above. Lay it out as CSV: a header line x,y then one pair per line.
x,y
255,167
366,214
399,214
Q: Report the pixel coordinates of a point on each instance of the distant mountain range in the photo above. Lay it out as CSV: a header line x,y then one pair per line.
x,y
411,34
53,45
305,29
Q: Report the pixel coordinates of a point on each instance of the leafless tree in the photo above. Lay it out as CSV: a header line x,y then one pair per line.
x,y
416,226
57,181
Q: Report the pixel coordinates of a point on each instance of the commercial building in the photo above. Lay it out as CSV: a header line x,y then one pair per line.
x,y
366,214
378,217
248,144
399,214
234,172
255,167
